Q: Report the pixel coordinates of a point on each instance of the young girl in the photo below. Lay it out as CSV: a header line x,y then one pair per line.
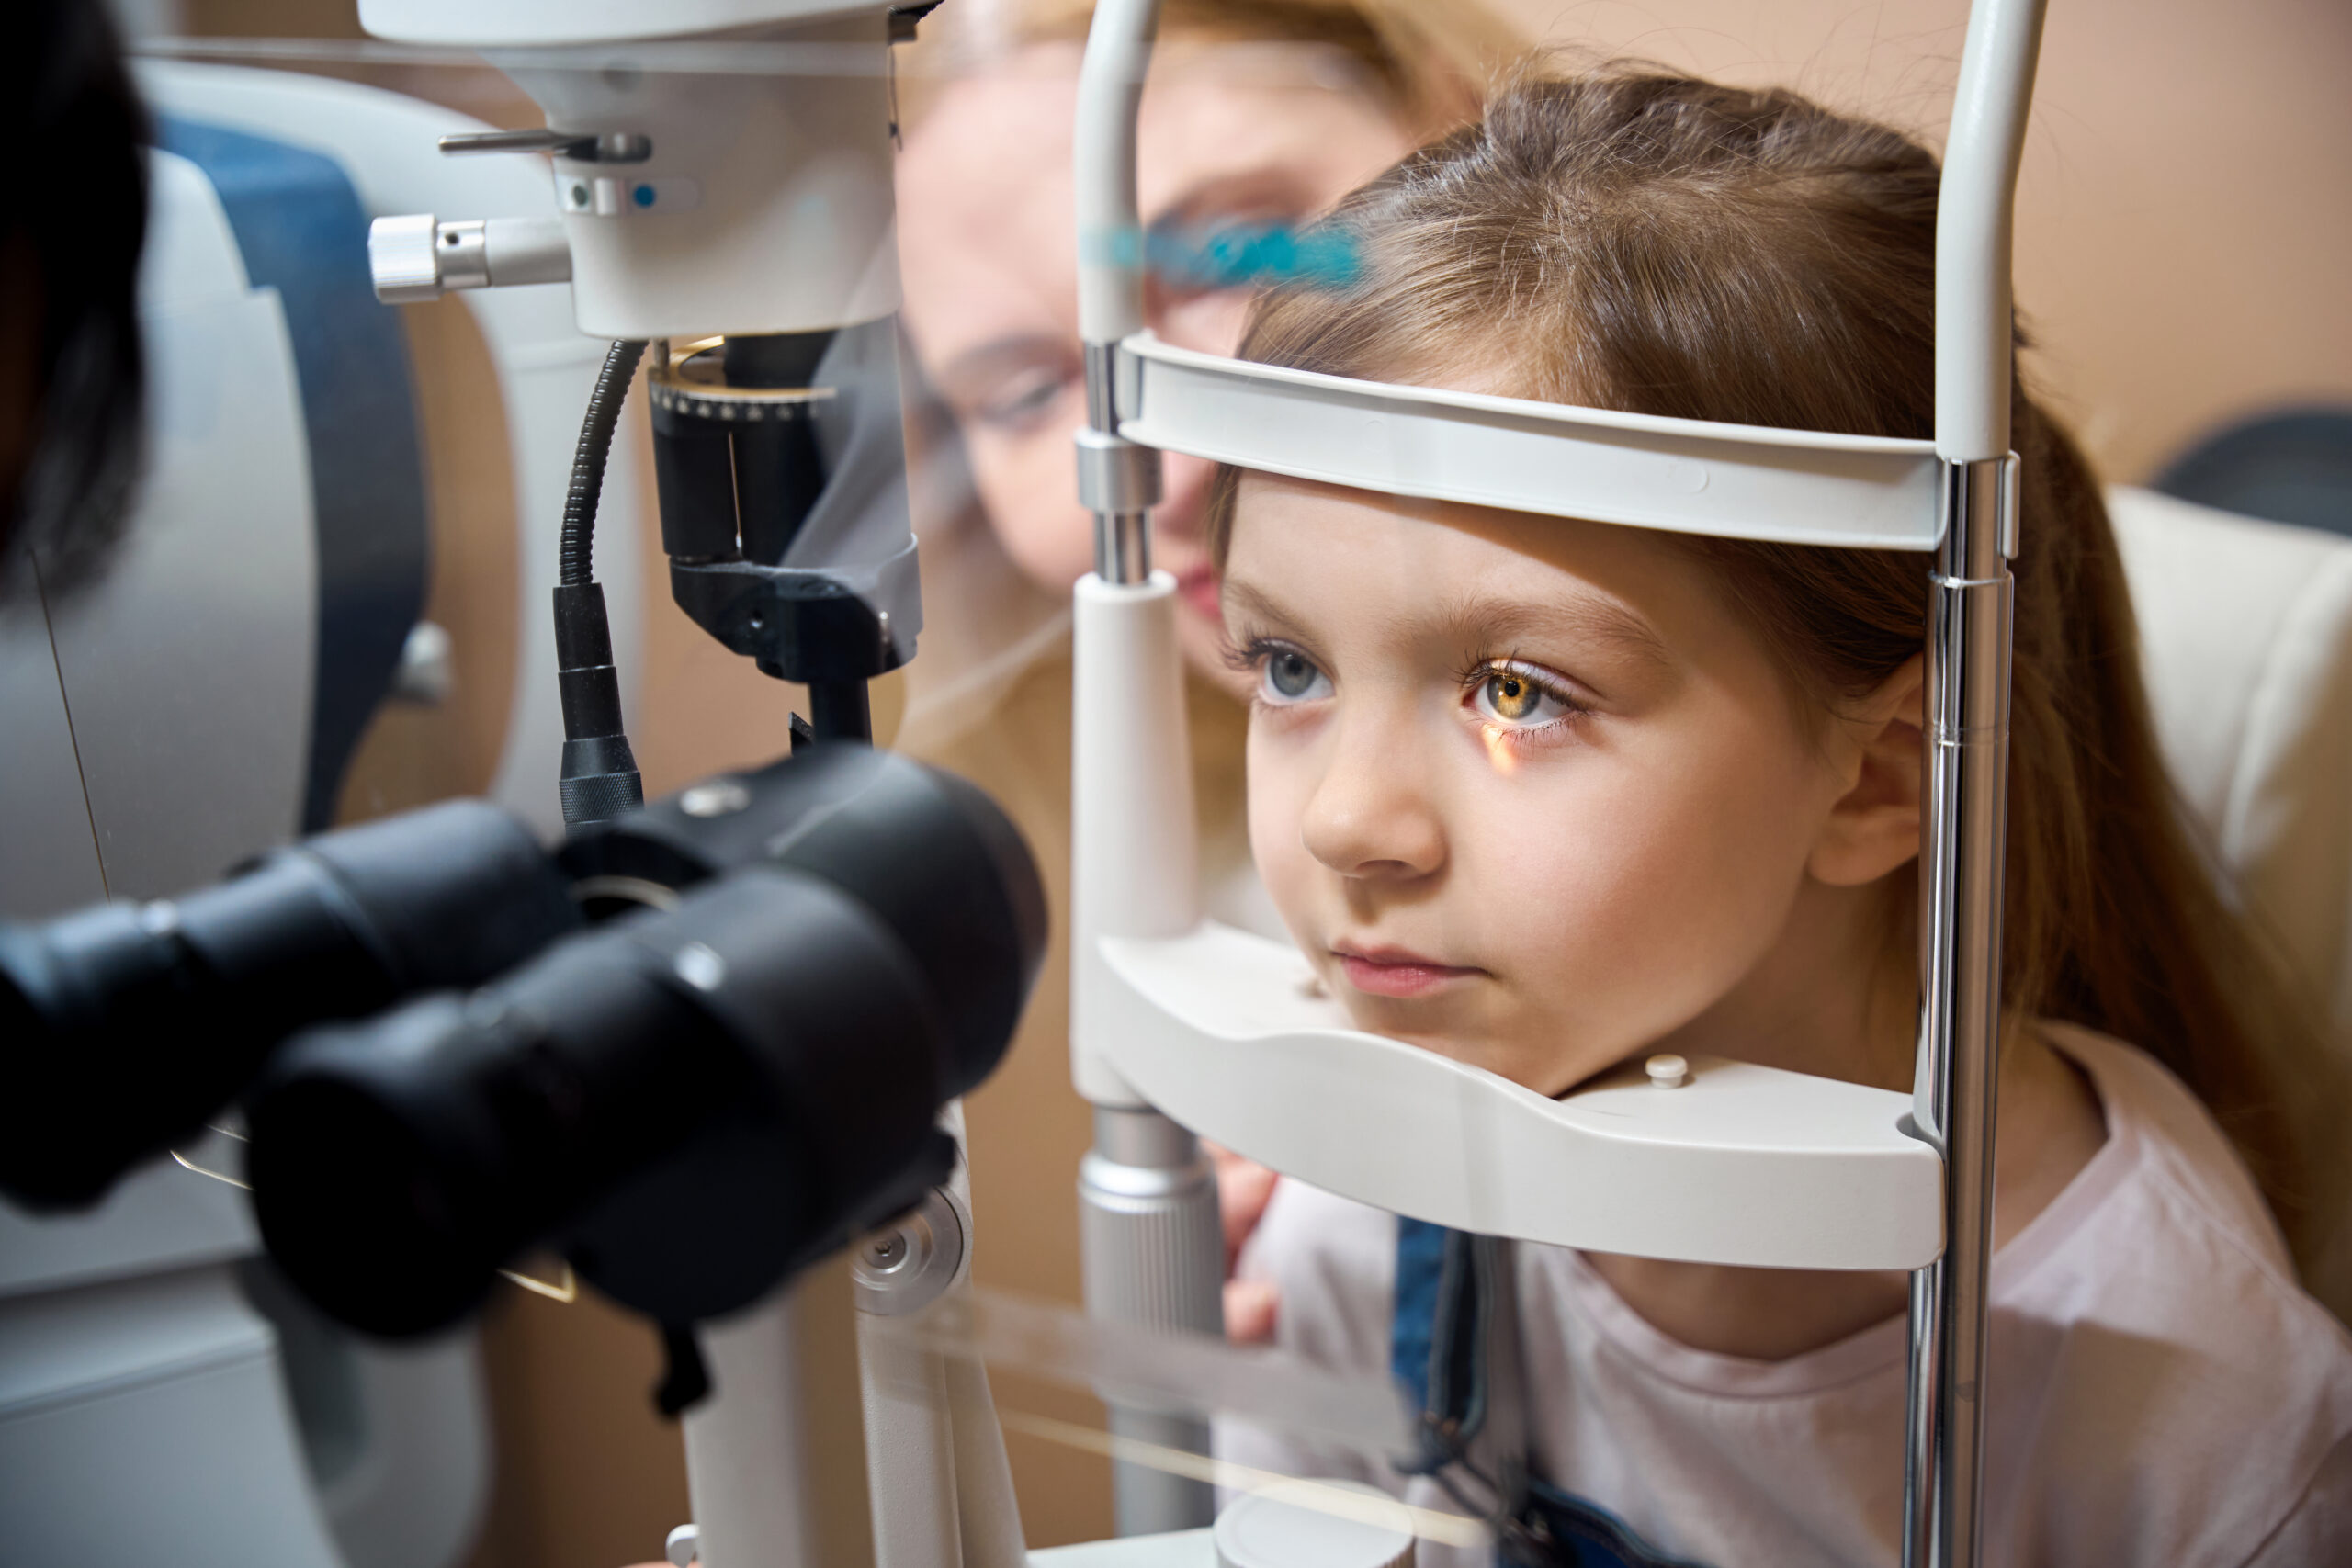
x,y
1545,795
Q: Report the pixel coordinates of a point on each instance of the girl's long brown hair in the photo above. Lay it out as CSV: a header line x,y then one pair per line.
x,y
1641,241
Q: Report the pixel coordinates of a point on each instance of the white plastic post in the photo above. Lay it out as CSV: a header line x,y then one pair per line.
x,y
909,1454
1134,865
1110,237
934,1453
1153,1251
775,1455
1974,217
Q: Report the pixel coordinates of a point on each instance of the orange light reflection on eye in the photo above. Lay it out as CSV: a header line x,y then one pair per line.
x,y
1499,750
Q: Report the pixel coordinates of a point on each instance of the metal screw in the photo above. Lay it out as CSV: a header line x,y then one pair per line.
x,y
904,1268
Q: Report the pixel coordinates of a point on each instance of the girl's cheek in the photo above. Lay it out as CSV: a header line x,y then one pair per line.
x,y
1277,801
1623,921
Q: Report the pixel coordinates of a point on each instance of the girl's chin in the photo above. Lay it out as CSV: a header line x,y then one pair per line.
x,y
1528,1069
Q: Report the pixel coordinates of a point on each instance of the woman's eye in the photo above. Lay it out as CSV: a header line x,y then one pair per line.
x,y
1288,676
1513,697
1024,400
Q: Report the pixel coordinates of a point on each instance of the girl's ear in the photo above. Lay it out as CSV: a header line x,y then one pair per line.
x,y
1874,826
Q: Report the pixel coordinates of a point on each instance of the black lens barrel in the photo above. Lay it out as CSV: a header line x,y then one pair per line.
x,y
161,1012
931,856
690,1103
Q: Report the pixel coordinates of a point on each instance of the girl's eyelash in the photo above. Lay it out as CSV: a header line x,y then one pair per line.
x,y
1244,654
1479,671
1247,654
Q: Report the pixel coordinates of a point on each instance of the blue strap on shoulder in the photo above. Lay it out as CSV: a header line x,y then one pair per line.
x,y
1420,1266
1446,1288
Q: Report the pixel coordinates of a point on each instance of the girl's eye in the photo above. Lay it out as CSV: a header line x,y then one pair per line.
x,y
1513,697
1288,676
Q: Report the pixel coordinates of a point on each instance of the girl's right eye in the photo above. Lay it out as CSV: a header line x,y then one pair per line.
x,y
1288,676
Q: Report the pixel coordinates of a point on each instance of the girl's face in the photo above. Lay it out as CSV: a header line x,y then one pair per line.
x,y
1530,793
988,255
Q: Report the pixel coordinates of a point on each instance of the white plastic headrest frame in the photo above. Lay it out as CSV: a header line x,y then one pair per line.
x,y
1424,434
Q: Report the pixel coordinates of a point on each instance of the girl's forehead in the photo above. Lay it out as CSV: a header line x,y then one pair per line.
x,y
1365,579
1300,533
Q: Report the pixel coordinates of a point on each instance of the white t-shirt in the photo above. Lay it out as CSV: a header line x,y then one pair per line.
x,y
2162,1393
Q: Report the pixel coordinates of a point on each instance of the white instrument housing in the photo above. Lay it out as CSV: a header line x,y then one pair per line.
x,y
766,202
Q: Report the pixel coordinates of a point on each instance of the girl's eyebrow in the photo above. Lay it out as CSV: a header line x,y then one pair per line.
x,y
1580,617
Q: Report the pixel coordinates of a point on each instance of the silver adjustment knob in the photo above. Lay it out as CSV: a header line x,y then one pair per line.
x,y
416,256
400,257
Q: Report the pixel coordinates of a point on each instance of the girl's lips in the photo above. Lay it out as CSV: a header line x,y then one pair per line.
x,y
1399,973
1199,588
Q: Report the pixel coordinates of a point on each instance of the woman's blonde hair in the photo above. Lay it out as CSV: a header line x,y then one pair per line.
x,y
1429,60
1638,240
1427,65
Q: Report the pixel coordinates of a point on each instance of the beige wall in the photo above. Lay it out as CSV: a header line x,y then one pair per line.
x,y
2185,214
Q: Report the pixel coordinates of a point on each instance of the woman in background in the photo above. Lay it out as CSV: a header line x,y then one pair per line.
x,y
1260,112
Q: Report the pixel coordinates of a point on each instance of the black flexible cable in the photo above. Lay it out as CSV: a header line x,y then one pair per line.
x,y
577,561
598,780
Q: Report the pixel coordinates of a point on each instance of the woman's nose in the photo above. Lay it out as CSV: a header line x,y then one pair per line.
x,y
1371,815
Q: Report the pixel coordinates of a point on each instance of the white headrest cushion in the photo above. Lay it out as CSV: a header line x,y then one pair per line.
x,y
2246,629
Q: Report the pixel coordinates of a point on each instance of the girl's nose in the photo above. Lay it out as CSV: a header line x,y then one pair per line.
x,y
1369,815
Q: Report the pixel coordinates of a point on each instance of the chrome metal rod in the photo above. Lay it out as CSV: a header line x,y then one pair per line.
x,y
1919,1426
1101,367
1123,547
1154,1255
1117,479
1963,836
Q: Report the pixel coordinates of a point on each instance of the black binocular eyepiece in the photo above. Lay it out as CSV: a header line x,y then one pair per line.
x,y
124,1026
727,1076
689,1103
